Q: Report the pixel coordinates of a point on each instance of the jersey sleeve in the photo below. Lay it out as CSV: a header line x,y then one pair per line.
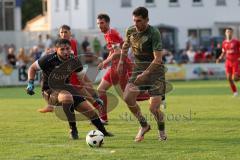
x,y
116,38
78,64
43,62
74,46
156,40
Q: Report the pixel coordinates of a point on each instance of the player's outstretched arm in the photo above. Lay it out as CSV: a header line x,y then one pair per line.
x,y
104,63
31,75
123,54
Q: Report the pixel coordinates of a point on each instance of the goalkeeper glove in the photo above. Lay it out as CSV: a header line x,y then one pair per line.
x,y
30,87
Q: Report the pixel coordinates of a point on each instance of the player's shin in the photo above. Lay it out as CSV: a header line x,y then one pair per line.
x,y
103,114
98,124
161,127
138,114
69,112
159,117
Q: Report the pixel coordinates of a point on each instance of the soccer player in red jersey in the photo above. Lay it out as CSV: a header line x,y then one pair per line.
x,y
114,42
231,50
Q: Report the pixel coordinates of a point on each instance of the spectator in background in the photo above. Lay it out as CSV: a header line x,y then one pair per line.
x,y
217,51
48,43
85,44
40,43
48,51
168,57
190,54
89,55
96,46
11,58
22,58
183,59
209,56
22,62
35,53
199,56
105,52
192,41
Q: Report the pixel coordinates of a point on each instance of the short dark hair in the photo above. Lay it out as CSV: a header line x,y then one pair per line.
x,y
104,16
65,27
59,42
141,11
228,28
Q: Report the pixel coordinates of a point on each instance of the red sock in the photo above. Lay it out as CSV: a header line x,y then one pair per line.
x,y
96,105
233,87
103,114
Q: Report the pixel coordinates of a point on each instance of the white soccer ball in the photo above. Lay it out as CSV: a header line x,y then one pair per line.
x,y
95,138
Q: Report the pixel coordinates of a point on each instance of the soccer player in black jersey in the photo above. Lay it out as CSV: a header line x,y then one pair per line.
x,y
56,69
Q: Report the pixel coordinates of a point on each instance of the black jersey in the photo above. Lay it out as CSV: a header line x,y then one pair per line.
x,y
56,73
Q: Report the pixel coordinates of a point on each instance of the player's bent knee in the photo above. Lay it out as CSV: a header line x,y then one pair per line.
x,y
129,100
65,97
236,78
155,100
154,109
229,78
101,91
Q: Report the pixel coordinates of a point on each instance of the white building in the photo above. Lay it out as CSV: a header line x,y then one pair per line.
x,y
176,19
10,15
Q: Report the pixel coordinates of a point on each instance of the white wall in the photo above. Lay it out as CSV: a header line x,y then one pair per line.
x,y
17,19
77,18
184,17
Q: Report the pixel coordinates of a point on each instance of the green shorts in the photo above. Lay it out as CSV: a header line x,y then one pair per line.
x,y
156,84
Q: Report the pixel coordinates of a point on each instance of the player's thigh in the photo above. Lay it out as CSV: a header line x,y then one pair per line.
x,y
229,70
104,85
65,97
229,76
131,92
236,71
155,101
51,97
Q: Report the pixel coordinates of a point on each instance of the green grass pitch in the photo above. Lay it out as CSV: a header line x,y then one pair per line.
x,y
202,121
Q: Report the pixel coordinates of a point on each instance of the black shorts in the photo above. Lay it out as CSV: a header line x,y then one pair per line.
x,y
51,96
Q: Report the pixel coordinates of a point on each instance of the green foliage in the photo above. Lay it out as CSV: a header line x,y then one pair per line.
x,y
202,124
30,9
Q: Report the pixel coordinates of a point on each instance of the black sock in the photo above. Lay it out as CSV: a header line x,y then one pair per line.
x,y
98,124
73,125
161,126
69,112
163,97
142,121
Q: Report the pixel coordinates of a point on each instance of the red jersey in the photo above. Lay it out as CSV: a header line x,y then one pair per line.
x,y
74,46
74,78
231,49
112,37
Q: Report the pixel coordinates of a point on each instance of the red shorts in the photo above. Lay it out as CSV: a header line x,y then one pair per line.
x,y
232,68
113,77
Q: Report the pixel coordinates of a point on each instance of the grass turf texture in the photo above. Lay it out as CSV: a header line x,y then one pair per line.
x,y
202,121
